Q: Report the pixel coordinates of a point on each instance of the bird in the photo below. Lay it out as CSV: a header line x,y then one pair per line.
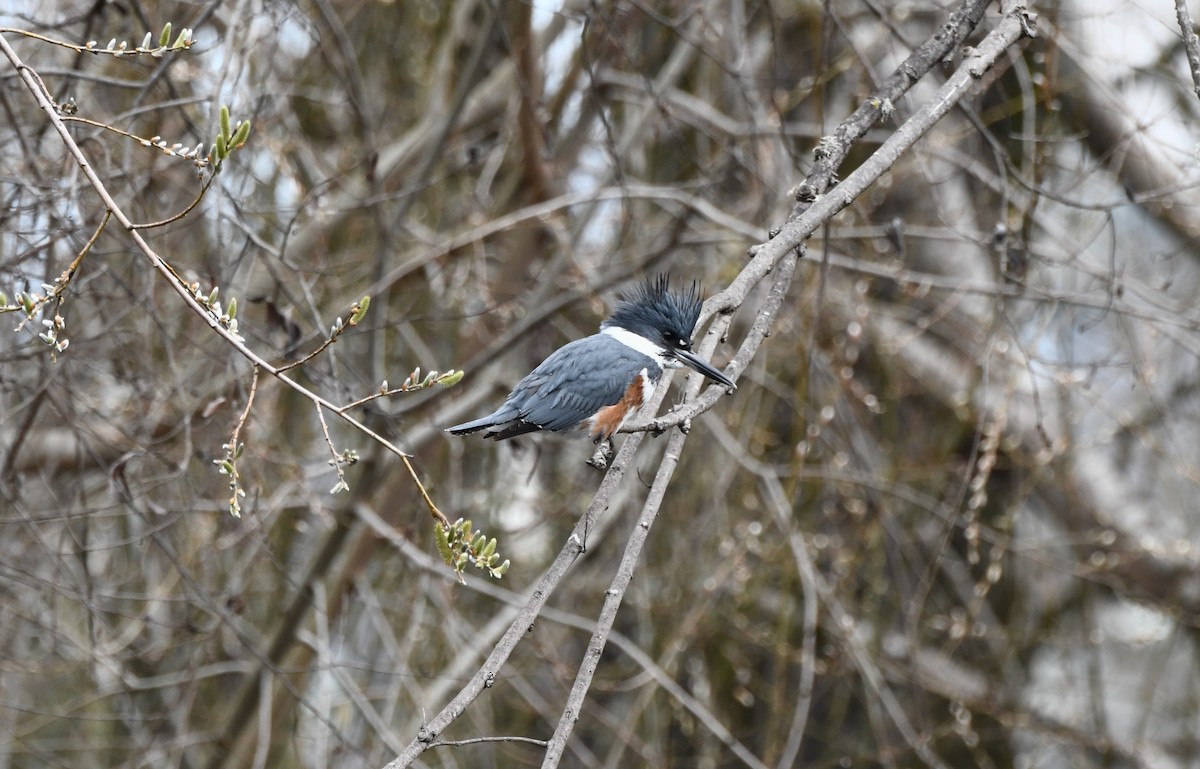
x,y
598,383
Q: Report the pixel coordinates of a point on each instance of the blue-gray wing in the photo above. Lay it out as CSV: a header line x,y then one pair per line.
x,y
576,381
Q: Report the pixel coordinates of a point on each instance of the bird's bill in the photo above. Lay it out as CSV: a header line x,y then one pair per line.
x,y
703,366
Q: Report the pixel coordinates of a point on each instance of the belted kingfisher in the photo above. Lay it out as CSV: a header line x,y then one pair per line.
x,y
599,382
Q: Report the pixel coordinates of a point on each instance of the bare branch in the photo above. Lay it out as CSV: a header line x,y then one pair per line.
x,y
1191,43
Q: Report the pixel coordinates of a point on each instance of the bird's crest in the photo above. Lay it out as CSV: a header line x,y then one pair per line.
x,y
652,302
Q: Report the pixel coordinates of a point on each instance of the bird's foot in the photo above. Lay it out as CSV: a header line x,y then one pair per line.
x,y
602,455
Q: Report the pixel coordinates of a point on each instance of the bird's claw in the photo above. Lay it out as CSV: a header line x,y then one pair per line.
x,y
602,455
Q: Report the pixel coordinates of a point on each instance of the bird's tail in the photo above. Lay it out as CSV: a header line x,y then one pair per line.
x,y
475,425
500,416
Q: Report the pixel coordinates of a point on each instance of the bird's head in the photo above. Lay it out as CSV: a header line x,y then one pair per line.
x,y
667,319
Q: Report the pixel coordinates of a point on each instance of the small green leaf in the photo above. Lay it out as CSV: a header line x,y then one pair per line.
x,y
451,378
165,37
226,131
222,149
231,311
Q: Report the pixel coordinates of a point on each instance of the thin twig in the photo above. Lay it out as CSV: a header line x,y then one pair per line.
x,y
92,49
233,451
335,460
808,653
63,280
175,150
478,740
237,429
191,207
74,265
368,398
411,385
325,344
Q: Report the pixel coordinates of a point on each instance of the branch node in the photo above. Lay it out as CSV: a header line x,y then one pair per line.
x,y
1028,21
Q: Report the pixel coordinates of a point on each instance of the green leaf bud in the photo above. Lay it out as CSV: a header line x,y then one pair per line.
x,y
240,135
360,310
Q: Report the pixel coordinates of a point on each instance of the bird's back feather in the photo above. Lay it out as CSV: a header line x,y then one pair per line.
x,y
570,386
